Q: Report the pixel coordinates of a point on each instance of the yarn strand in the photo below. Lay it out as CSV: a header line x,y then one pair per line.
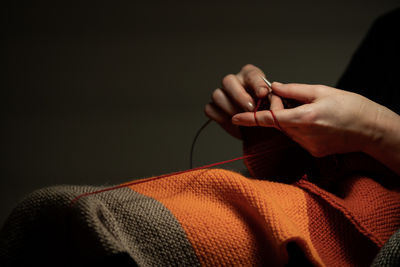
x,y
73,201
255,111
194,141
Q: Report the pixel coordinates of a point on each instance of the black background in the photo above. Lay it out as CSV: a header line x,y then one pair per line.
x,y
102,92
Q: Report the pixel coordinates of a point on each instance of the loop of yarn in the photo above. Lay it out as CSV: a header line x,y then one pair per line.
x,y
276,122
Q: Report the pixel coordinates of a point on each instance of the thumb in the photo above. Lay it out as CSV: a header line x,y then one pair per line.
x,y
304,93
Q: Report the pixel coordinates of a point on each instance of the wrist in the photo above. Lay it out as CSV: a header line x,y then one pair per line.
x,y
370,125
384,138
375,127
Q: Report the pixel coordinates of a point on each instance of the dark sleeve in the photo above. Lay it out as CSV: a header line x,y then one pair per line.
x,y
374,70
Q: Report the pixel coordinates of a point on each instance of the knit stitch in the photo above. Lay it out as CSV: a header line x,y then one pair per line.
x,y
210,217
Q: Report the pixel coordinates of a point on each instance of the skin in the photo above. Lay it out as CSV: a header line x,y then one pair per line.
x,y
327,121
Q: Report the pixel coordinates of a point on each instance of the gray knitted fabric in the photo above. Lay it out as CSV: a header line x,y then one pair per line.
x,y
116,228
389,255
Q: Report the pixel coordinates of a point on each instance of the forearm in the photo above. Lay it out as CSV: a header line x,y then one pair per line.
x,y
385,142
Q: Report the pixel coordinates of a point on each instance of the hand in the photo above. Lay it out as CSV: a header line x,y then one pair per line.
x,y
329,121
236,95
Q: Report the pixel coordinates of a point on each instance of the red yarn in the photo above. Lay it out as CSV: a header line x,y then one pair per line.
x,y
255,111
73,201
276,122
158,177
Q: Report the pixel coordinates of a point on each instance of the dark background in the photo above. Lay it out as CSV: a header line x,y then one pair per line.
x,y
100,93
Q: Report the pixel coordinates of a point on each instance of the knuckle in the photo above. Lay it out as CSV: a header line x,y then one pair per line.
x,y
253,77
227,79
321,87
248,67
216,95
263,120
253,72
310,115
317,88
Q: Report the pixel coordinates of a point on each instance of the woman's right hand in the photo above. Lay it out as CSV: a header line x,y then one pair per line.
x,y
238,93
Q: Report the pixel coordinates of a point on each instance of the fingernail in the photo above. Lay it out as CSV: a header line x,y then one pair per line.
x,y
277,83
235,120
250,106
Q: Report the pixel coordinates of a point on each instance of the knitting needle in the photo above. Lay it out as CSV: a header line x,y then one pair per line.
x,y
288,103
267,82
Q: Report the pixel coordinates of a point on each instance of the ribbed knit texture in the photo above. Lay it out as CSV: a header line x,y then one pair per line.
x,y
117,228
389,256
351,216
233,220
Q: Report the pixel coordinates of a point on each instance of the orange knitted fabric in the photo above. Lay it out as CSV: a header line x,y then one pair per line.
x,y
233,220
230,219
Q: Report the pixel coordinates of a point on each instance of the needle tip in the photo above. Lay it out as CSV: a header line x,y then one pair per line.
x,y
267,82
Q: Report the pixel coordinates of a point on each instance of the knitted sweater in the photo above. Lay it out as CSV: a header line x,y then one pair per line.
x,y
207,217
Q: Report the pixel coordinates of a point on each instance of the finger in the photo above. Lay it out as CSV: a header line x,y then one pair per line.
x,y
276,102
233,88
221,100
285,117
251,78
214,113
248,119
222,119
302,92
